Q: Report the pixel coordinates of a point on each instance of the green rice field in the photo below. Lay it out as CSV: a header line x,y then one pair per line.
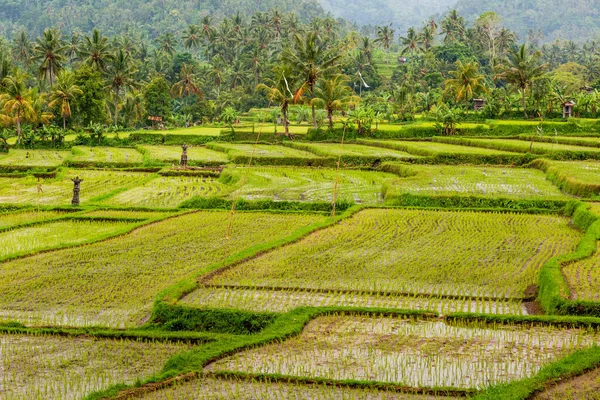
x,y
33,158
197,155
381,251
106,155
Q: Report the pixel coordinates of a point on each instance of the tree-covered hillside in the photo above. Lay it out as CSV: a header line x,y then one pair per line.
x,y
148,17
555,19
377,12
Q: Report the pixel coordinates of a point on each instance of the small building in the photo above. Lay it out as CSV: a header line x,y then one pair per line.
x,y
478,104
568,108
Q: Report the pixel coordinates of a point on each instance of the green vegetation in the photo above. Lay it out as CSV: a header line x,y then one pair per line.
x,y
266,154
352,154
8,220
503,182
52,235
583,278
261,299
305,184
59,190
413,353
17,159
51,366
381,251
577,178
101,283
104,156
172,154
167,192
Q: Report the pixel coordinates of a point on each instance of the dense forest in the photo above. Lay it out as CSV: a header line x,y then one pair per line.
x,y
321,71
548,20
402,15
542,20
148,18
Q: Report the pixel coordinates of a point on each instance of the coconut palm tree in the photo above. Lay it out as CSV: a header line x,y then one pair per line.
x,y
465,82
453,27
95,51
16,100
120,73
192,37
63,93
22,48
411,42
385,37
134,105
187,84
49,51
520,68
167,43
310,60
278,90
332,94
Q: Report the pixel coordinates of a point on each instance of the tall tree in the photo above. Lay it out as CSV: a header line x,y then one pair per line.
x,y
22,48
16,100
332,94
278,90
411,42
310,59
63,93
192,37
520,68
187,84
95,51
49,51
466,81
385,37
120,73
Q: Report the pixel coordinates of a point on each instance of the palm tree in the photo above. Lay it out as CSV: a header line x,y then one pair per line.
x,y
453,27
95,51
332,94
385,36
411,42
167,43
278,91
73,47
134,105
120,72
62,94
49,51
22,48
192,37
16,100
309,60
187,84
521,68
426,37
466,82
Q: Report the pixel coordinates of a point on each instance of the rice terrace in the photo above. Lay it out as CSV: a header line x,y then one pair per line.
x,y
308,199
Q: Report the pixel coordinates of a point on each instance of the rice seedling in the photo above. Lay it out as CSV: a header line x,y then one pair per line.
x,y
431,148
115,282
412,352
474,254
580,178
519,146
59,190
583,278
27,216
106,155
308,184
168,192
56,367
584,386
351,150
197,155
260,300
55,234
506,182
108,213
259,151
34,158
595,208
209,388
